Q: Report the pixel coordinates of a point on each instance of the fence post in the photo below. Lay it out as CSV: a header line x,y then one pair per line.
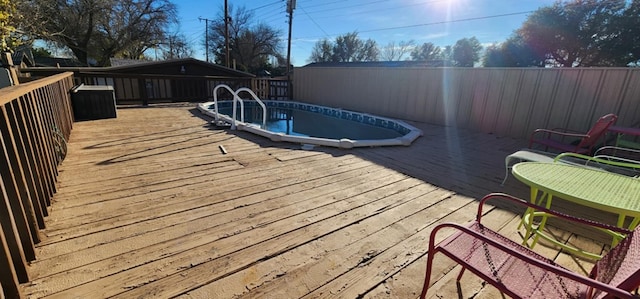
x,y
8,62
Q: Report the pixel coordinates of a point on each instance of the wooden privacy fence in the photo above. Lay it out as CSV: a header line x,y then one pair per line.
x,y
502,101
149,89
35,122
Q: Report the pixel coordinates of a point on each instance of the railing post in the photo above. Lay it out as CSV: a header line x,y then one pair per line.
x,y
142,87
14,228
9,284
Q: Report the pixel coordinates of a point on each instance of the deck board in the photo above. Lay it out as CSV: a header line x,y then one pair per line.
x,y
148,205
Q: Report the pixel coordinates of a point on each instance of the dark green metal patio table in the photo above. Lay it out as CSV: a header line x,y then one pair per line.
x,y
597,189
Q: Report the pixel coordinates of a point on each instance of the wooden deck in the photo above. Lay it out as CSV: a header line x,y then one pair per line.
x,y
149,206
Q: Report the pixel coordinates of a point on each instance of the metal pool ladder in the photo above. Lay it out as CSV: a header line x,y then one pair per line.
x,y
215,104
237,99
255,97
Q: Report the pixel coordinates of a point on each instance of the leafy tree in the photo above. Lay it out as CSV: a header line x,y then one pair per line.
x,y
466,52
426,52
346,48
100,29
250,44
322,51
393,52
9,18
493,56
447,54
41,52
627,45
580,33
512,53
350,48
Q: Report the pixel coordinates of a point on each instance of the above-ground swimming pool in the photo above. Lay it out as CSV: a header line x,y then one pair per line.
x,y
311,124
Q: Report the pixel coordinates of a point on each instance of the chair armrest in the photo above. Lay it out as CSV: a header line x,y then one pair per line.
x,y
548,133
619,152
548,211
617,148
565,130
569,134
604,159
551,267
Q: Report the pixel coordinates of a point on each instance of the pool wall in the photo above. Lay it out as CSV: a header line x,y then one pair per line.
x,y
409,133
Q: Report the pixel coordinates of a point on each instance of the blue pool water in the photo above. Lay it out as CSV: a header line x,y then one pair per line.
x,y
298,122
312,125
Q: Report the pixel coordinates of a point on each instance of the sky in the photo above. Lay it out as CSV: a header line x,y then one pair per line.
x,y
440,22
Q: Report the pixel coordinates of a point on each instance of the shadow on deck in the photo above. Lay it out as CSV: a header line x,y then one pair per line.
x,y
149,206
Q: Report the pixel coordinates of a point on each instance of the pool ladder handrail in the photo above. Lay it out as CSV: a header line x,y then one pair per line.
x,y
215,98
235,97
255,97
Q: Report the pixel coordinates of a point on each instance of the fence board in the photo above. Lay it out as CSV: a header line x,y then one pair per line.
x,y
505,101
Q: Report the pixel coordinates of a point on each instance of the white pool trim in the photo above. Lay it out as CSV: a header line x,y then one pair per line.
x,y
406,139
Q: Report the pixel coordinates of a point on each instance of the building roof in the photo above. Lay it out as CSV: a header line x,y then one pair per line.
x,y
125,61
406,63
183,66
23,55
150,65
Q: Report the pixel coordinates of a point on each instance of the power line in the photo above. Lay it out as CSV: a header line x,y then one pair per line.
x,y
314,21
369,11
272,13
343,7
451,21
266,5
437,23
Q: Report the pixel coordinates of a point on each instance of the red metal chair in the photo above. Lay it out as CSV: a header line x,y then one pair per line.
x,y
521,273
583,143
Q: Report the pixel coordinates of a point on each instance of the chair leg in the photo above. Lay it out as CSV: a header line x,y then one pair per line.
x,y
507,160
460,274
427,277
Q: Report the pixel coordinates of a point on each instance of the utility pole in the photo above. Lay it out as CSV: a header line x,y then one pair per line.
x,y
227,20
206,36
291,5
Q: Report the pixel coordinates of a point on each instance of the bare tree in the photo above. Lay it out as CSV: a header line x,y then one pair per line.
x,y
251,44
175,47
393,52
100,29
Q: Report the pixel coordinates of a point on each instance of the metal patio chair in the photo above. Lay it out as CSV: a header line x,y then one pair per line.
x,y
519,272
581,143
615,164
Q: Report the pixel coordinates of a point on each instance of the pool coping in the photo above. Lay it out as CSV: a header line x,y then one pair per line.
x,y
406,139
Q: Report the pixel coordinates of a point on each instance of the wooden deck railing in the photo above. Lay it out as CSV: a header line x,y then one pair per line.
x,y
35,122
157,88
